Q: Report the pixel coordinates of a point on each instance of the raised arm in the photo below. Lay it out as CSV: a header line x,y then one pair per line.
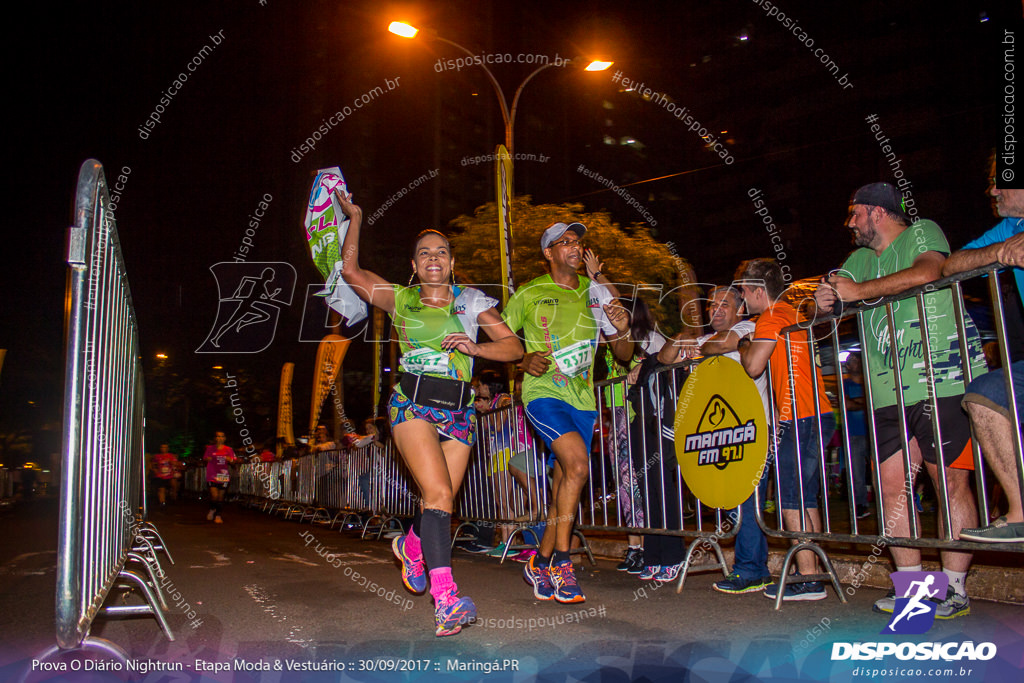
x,y
594,266
371,287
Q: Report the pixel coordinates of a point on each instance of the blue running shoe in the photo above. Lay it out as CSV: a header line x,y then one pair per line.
x,y
451,612
540,579
563,578
805,590
414,575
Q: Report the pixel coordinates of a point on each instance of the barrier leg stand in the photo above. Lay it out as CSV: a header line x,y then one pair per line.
x,y
584,546
369,522
345,520
147,549
686,568
387,523
458,530
150,608
831,571
786,561
150,530
510,546
153,582
829,576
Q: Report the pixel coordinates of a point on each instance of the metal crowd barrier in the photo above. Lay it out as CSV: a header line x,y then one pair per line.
x,y
365,487
835,517
102,507
635,485
506,484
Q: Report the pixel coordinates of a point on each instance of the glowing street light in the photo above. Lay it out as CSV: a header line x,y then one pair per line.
x,y
508,114
400,28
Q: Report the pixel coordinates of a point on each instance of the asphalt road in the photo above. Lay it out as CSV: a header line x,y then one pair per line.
x,y
276,600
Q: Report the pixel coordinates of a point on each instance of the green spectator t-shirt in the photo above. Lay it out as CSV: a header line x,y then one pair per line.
x,y
864,264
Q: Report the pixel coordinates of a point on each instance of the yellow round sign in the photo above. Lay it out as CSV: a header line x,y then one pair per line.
x,y
721,433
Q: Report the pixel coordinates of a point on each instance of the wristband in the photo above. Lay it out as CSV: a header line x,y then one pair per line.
x,y
595,275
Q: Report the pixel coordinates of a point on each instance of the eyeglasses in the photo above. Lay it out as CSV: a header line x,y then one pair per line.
x,y
568,243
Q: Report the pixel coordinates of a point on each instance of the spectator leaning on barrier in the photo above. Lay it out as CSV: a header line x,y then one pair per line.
x,y
321,440
726,313
986,400
895,256
762,285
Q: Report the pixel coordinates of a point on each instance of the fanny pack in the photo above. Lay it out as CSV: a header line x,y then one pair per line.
x,y
436,392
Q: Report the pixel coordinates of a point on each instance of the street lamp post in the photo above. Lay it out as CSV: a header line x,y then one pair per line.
x,y
504,155
508,115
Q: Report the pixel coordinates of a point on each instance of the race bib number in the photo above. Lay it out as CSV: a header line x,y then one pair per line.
x,y
574,360
422,361
223,477
164,469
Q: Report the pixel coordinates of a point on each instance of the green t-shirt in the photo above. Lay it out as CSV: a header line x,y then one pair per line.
x,y
420,330
863,265
567,322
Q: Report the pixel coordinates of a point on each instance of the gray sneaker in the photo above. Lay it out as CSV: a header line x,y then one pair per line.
x,y
999,531
955,605
886,604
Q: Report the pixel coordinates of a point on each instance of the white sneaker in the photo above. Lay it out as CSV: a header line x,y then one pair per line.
x,y
209,516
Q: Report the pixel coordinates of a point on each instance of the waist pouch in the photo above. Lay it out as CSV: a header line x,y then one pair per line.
x,y
436,392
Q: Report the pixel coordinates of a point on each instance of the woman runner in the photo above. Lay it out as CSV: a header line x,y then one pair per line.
x,y
431,409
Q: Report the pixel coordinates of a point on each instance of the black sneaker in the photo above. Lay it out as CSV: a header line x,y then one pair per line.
x,y
735,584
634,559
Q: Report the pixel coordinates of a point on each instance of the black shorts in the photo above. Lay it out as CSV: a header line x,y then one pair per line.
x,y
161,483
953,421
217,485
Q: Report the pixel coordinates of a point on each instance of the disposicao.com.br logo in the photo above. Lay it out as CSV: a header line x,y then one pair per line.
x,y
917,597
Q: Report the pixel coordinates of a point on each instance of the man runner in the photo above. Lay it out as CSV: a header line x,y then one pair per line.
x,y
562,315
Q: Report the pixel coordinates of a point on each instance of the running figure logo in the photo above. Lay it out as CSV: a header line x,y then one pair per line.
x,y
917,597
247,317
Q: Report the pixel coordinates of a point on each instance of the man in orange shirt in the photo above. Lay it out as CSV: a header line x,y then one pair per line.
x,y
762,285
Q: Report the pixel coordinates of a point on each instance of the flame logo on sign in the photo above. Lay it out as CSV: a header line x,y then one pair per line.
x,y
720,435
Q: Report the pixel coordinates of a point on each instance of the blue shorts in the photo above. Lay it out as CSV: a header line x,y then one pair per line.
x,y
989,390
552,418
810,468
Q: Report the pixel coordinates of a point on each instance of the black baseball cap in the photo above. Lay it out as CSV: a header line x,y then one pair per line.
x,y
883,195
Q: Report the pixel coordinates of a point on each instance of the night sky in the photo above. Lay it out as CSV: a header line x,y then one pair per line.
x,y
87,77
